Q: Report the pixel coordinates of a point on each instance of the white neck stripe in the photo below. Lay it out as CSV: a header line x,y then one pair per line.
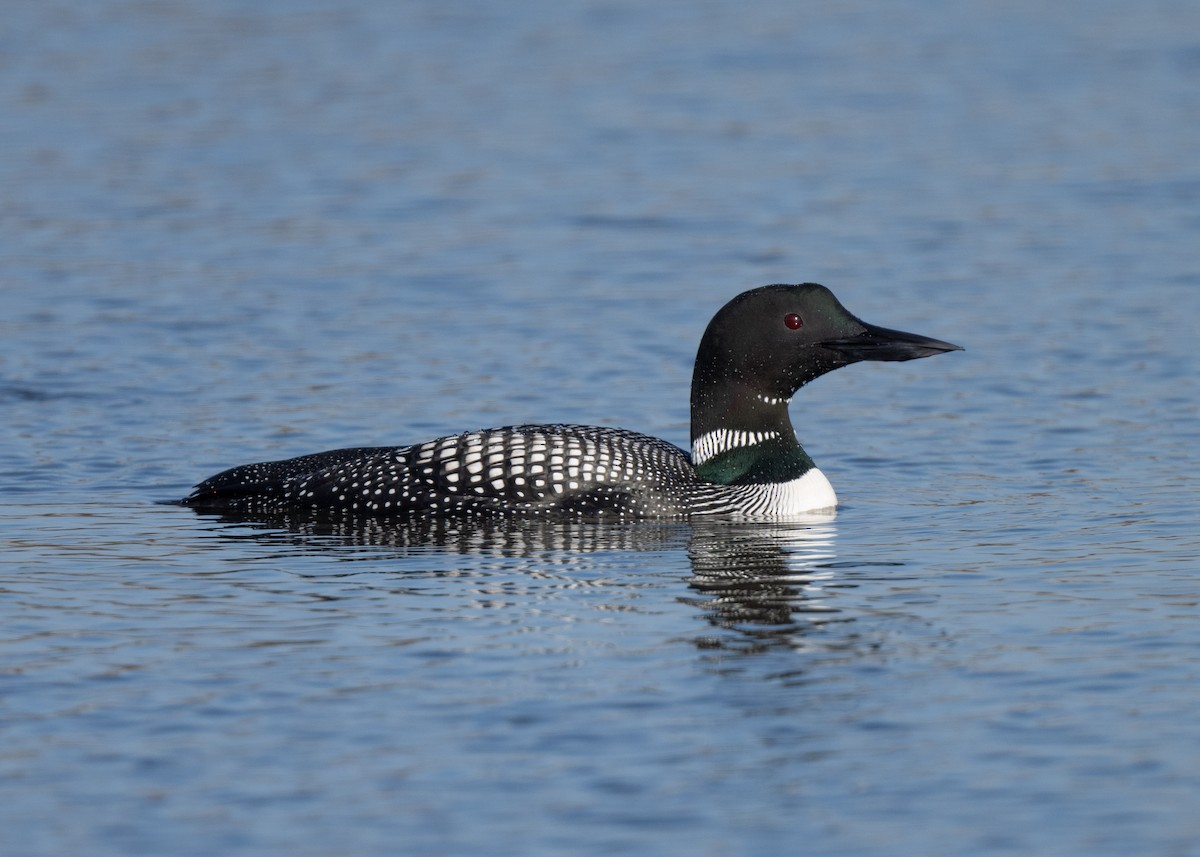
x,y
715,442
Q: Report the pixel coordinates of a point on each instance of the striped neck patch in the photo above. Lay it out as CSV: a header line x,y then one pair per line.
x,y
713,443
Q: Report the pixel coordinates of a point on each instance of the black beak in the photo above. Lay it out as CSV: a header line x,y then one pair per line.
x,y
879,343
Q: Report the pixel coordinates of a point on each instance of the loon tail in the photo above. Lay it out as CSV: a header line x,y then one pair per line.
x,y
268,478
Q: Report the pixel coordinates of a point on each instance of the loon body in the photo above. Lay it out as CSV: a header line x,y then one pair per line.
x,y
757,351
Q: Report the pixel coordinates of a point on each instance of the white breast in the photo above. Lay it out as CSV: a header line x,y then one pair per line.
x,y
810,493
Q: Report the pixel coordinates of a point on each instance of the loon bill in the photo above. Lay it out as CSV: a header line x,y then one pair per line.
x,y
745,460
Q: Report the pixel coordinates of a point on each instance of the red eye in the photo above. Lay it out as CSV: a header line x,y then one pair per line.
x,y
793,321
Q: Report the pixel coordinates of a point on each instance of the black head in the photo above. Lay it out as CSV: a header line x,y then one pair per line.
x,y
769,342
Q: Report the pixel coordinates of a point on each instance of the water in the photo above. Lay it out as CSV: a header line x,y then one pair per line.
x,y
236,233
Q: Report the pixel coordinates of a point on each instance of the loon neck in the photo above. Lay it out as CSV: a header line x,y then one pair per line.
x,y
741,436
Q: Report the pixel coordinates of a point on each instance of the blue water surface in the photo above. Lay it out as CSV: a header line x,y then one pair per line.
x,y
235,232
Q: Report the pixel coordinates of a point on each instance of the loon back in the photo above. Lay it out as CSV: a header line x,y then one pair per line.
x,y
757,351
516,469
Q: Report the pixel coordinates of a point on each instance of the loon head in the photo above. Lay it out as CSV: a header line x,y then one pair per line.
x,y
765,344
778,338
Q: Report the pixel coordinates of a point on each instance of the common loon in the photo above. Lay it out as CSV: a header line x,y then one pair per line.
x,y
757,351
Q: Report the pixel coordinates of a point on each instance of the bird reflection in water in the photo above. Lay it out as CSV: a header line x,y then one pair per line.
x,y
760,585
764,581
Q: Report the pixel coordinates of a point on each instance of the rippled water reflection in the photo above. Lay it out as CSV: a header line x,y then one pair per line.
x,y
762,582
